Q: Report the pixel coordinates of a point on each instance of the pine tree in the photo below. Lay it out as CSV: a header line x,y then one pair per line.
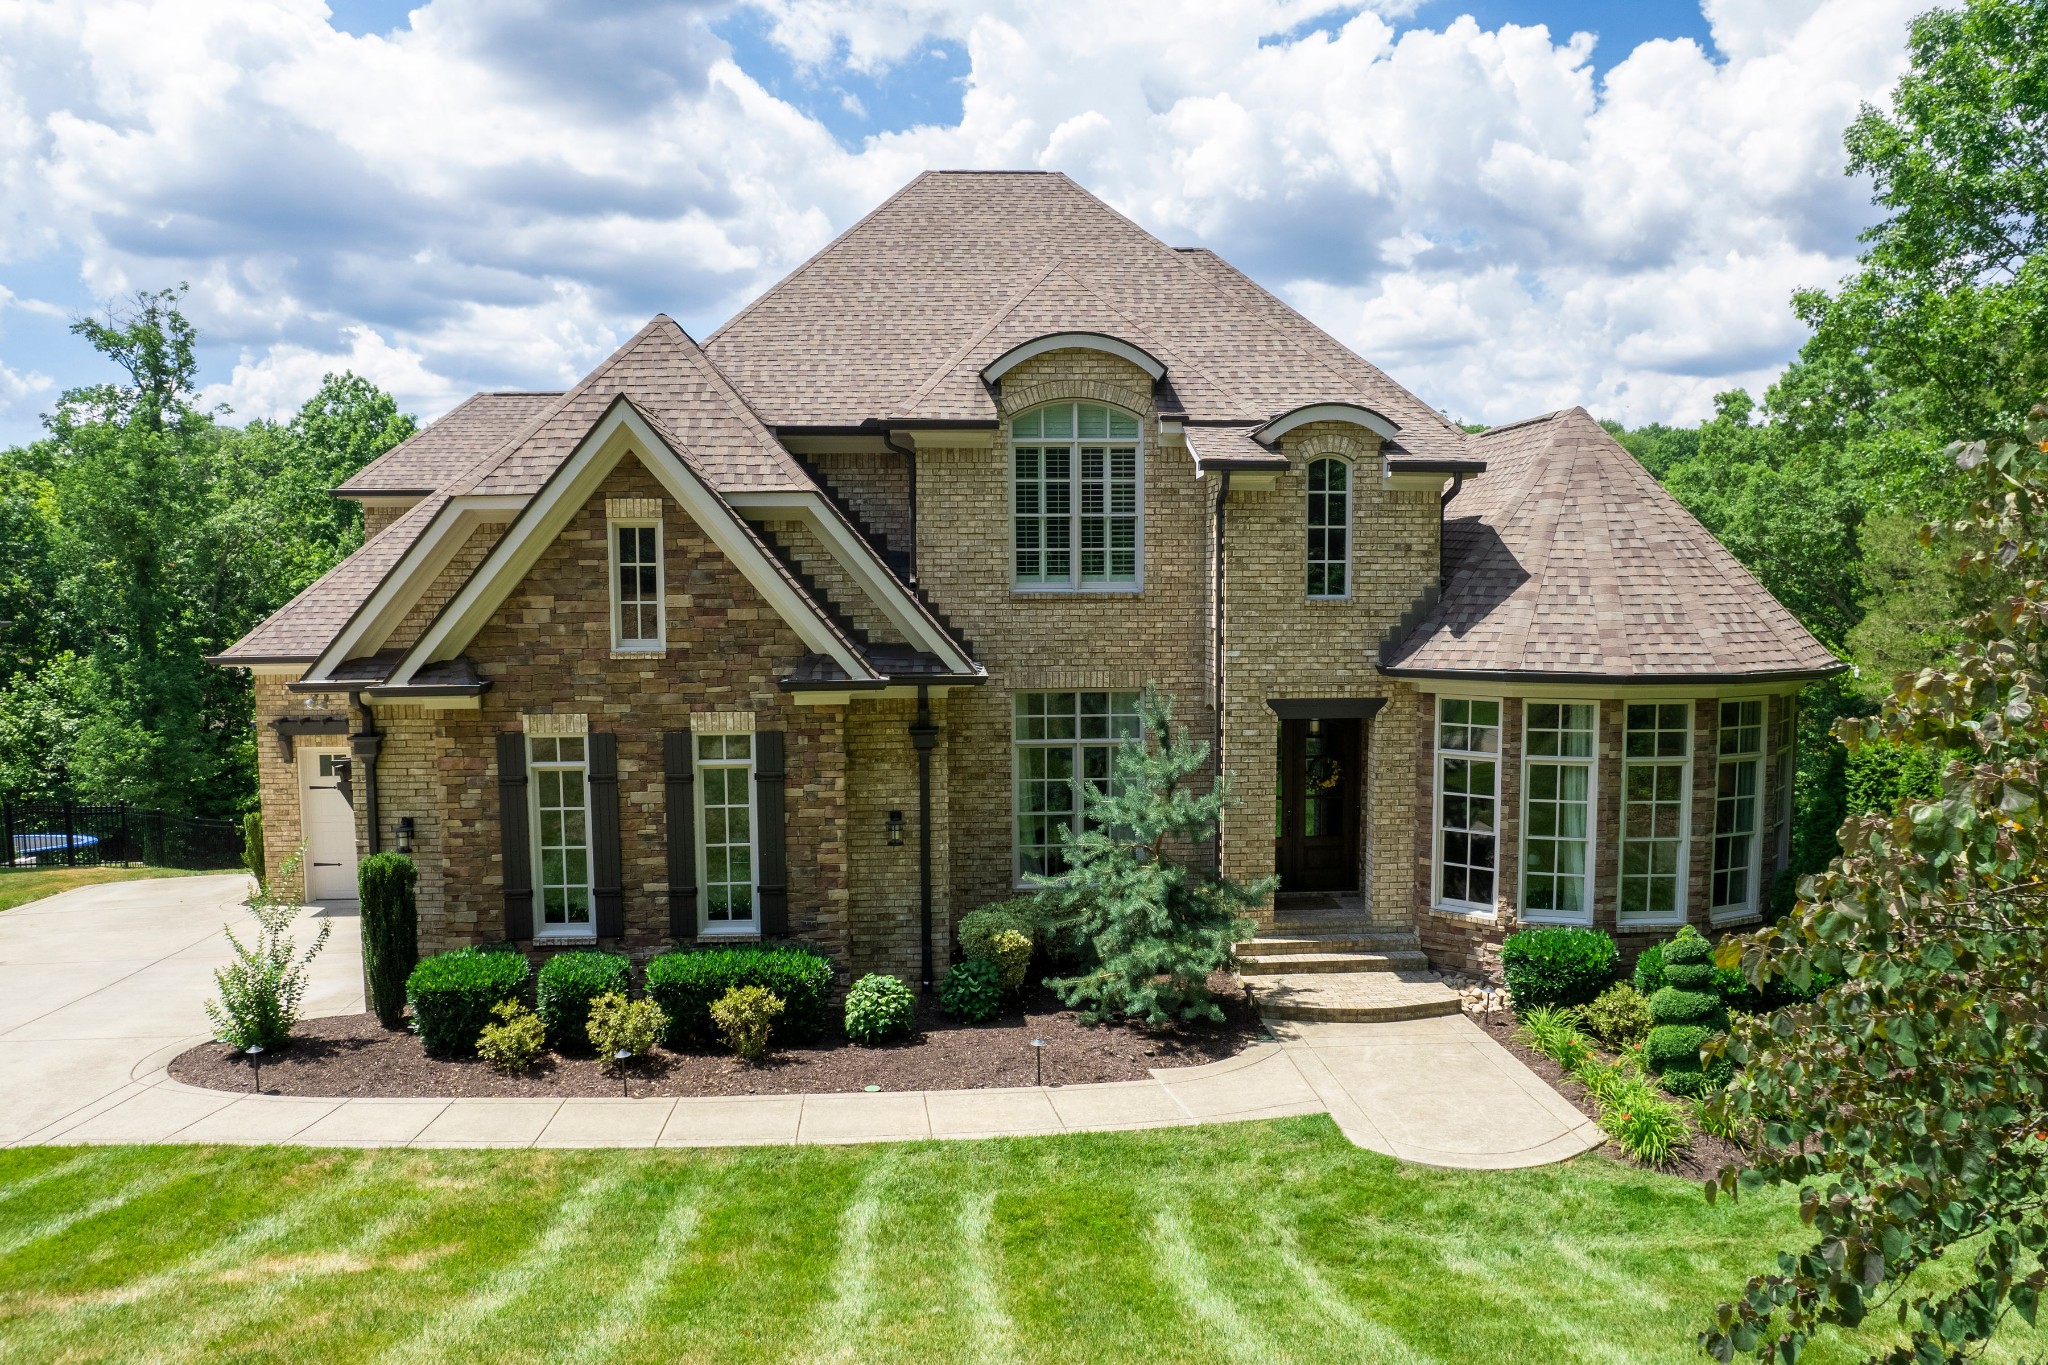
x,y
1159,923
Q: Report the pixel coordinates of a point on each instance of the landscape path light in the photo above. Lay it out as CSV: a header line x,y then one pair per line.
x,y
254,1052
623,1056
1038,1057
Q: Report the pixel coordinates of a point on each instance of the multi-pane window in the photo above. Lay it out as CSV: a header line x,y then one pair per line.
x,y
1557,808
1656,753
562,826
1738,807
1064,741
1468,801
1329,528
1075,489
636,586
725,829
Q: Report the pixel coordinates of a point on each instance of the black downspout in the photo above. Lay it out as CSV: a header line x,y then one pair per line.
x,y
1457,487
1222,493
364,746
924,737
909,454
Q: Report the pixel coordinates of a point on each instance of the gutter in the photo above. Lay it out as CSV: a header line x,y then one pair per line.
x,y
924,737
1222,494
1443,577
364,746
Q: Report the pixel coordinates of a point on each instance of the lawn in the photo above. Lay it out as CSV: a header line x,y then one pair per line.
x,y
1274,1241
19,885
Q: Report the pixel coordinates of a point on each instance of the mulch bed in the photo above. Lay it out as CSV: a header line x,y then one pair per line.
x,y
1701,1160
350,1055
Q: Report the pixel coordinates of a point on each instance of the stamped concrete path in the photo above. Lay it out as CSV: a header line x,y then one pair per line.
x,y
101,987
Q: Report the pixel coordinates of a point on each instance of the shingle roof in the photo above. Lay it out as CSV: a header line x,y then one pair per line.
x,y
897,316
444,448
1567,559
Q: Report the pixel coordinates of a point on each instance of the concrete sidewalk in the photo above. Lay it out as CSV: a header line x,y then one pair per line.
x,y
100,988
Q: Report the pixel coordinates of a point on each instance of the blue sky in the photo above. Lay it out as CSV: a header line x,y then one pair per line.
x,y
491,193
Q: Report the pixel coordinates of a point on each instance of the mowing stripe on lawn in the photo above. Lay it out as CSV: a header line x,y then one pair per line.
x,y
14,1189
1374,1341
140,1188
629,1311
853,1270
1186,1271
981,1278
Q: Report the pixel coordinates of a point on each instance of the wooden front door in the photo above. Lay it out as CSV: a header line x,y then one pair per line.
x,y
1315,836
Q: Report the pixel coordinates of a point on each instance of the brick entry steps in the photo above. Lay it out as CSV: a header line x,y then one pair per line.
x,y
1333,963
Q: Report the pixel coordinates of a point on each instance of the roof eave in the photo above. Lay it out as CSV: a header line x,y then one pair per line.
x,y
1511,676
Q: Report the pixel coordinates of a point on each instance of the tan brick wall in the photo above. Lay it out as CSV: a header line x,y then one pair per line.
x,y
446,584
882,777
376,518
876,486
833,580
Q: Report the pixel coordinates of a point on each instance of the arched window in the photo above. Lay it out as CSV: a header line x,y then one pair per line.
x,y
1078,512
1329,528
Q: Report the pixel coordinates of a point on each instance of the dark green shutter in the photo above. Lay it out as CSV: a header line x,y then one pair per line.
x,y
768,813
679,776
607,876
514,836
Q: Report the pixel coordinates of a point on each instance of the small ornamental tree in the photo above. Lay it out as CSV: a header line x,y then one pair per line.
x,y
1908,1103
385,890
1159,925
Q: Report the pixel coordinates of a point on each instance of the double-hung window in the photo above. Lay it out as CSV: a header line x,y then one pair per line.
x,y
1329,528
1738,809
561,819
637,616
1065,742
725,832
1655,771
1076,502
1557,811
1467,802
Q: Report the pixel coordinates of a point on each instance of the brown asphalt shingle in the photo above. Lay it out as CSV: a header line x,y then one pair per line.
x,y
440,451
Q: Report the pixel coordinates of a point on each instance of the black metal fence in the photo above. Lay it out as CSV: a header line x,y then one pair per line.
x,y
78,834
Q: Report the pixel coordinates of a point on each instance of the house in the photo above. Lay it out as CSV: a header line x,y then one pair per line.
x,y
819,628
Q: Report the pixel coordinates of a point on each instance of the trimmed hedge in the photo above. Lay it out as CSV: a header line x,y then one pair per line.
x,y
1649,972
385,885
568,983
1557,965
1686,1012
453,995
685,984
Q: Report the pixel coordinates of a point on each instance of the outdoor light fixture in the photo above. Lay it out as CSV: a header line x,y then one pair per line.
x,y
1038,1056
254,1052
623,1056
405,834
895,829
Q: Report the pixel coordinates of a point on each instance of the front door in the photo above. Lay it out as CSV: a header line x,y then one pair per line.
x,y
1315,836
330,827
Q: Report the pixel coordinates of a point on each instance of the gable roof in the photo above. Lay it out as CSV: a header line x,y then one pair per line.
x,y
440,451
1568,560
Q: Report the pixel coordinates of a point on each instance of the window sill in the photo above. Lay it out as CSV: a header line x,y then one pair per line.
x,y
1579,922
1740,914
1478,912
639,652
1092,590
748,935
574,940
1646,926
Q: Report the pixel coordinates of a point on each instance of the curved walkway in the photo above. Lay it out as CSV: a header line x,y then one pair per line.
x,y
101,987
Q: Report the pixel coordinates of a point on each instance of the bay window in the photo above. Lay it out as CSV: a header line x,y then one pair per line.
x,y
1467,802
1558,745
1655,787
1738,809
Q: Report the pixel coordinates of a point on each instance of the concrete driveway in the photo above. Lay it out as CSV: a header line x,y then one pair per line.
x,y
101,987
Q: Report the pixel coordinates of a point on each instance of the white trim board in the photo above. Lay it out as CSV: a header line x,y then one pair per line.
x,y
1073,341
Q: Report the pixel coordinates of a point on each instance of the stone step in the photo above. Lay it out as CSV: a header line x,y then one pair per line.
x,y
1277,964
1270,944
1353,997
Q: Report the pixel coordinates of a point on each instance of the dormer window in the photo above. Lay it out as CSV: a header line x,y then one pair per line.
x,y
637,610
1076,480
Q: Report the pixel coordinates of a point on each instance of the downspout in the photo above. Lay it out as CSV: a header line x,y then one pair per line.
x,y
1457,487
1222,492
364,745
924,737
909,454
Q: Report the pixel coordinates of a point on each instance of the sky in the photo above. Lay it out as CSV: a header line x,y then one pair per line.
x,y
1511,206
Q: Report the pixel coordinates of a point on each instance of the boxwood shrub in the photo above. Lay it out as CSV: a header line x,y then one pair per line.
x,y
452,995
1557,965
566,986
685,983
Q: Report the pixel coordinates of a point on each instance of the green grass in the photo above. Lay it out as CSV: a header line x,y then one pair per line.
x,y
20,885
1274,1241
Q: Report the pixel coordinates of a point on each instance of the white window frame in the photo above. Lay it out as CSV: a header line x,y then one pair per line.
x,y
1591,764
1749,906
1787,759
708,927
1076,744
1624,919
535,766
1309,560
1436,805
620,644
1074,582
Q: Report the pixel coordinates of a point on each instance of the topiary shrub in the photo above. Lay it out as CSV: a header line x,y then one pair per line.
x,y
567,985
1684,1014
385,885
1649,973
745,1016
514,1042
1620,1017
972,990
454,994
686,984
1010,955
1555,965
879,1008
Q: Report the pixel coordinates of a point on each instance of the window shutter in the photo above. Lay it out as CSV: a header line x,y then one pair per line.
x,y
513,835
768,814
607,876
679,775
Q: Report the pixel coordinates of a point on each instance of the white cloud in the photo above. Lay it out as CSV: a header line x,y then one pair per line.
x,y
497,194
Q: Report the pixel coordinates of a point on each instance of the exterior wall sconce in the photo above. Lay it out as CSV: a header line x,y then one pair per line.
x,y
895,829
405,834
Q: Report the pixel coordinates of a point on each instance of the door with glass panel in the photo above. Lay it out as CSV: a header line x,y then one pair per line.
x,y
725,832
1315,834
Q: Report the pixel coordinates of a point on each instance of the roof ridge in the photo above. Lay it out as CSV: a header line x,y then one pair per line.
x,y
995,320
1522,422
745,410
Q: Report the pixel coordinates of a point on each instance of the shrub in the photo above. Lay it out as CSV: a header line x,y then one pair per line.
x,y
1011,954
1619,1017
745,1016
1551,1032
978,929
685,984
621,1025
252,843
1555,965
879,1008
1685,1013
454,995
391,931
261,990
1649,972
567,985
515,1040
972,990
